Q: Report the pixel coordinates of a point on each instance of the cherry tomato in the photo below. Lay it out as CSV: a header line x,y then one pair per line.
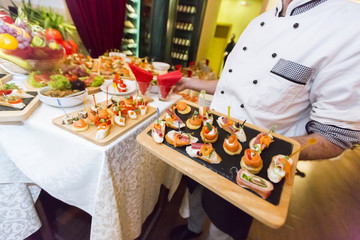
x,y
6,92
53,34
74,46
5,17
8,42
206,129
67,47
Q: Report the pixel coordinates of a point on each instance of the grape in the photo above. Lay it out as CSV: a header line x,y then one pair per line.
x,y
21,46
2,31
26,44
65,69
78,84
75,71
20,38
6,28
13,31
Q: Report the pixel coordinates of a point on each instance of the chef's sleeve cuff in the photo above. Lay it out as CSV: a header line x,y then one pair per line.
x,y
342,137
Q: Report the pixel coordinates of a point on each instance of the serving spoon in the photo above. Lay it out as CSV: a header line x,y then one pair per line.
x,y
75,94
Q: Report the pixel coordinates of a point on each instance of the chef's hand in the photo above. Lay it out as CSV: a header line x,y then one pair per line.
x,y
196,84
182,84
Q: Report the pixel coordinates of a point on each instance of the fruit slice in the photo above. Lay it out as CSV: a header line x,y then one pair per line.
x,y
8,42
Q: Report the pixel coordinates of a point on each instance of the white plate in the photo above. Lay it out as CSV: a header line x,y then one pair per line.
x,y
131,87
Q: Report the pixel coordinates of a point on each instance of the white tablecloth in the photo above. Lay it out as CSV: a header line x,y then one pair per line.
x,y
117,184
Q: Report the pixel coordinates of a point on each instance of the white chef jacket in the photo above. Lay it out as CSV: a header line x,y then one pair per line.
x,y
295,69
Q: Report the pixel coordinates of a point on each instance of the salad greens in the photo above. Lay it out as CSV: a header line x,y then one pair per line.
x,y
98,81
10,86
33,82
59,82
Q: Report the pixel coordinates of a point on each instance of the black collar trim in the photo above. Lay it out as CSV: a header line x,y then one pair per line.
x,y
306,7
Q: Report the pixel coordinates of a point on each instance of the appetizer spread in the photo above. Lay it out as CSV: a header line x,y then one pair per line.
x,y
195,121
69,77
257,184
172,120
132,114
158,131
203,151
82,114
206,116
251,161
11,96
279,167
121,86
143,109
183,108
92,117
103,130
99,120
120,120
260,142
67,120
209,133
111,65
232,146
80,125
179,139
232,127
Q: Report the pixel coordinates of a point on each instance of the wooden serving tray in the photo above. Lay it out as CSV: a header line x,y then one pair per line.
x,y
115,131
4,77
9,114
220,178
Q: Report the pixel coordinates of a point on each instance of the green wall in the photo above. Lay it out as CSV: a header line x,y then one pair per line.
x,y
234,13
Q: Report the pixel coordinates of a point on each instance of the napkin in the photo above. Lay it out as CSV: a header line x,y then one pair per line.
x,y
142,76
166,81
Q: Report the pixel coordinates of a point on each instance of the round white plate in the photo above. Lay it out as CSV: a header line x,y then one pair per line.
x,y
131,87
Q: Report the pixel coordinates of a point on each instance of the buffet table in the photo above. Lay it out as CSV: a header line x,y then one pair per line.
x,y
118,184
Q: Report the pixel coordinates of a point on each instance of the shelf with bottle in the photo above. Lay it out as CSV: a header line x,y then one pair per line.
x,y
186,26
180,55
130,24
131,15
130,8
189,9
130,30
181,41
130,39
130,45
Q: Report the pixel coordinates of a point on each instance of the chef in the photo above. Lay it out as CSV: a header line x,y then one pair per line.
x,y
296,66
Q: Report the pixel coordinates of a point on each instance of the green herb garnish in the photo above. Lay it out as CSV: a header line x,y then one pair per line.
x,y
209,127
242,125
